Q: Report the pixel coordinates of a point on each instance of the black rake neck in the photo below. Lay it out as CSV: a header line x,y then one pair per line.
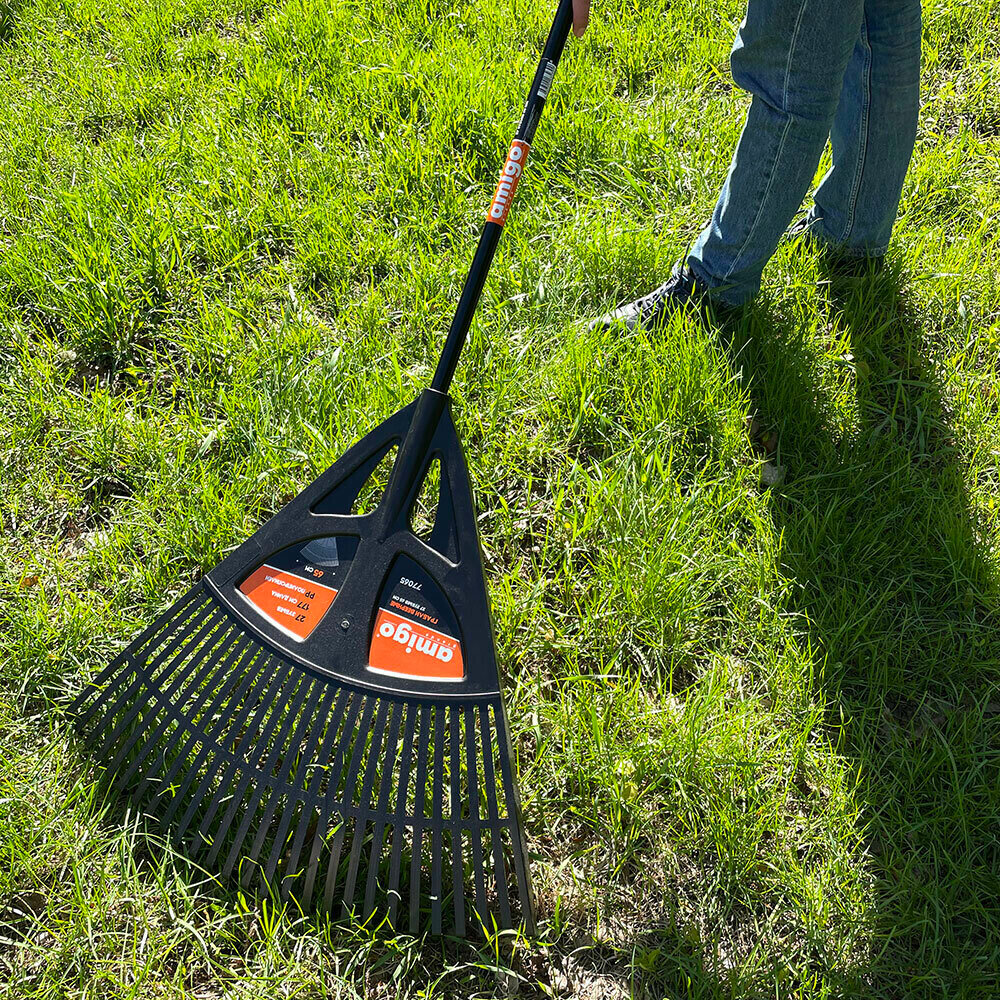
x,y
506,186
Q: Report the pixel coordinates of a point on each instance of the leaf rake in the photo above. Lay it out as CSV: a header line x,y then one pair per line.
x,y
321,715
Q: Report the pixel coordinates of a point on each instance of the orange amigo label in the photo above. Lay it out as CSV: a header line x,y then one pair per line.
x,y
507,185
288,601
406,647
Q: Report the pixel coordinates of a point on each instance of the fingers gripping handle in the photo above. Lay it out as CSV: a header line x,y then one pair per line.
x,y
503,196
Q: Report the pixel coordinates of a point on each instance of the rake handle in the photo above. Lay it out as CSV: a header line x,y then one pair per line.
x,y
502,198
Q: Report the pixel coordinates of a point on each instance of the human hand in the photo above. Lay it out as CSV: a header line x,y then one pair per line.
x,y
581,15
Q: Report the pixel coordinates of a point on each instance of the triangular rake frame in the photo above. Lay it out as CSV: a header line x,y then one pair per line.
x,y
262,753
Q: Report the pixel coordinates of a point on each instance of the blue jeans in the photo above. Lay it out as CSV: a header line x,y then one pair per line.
x,y
847,69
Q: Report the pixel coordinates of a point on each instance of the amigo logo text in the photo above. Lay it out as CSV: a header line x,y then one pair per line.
x,y
507,185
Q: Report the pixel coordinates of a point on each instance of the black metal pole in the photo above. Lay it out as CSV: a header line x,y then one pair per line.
x,y
500,205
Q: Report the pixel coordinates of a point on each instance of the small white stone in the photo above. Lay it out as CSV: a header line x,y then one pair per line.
x,y
771,474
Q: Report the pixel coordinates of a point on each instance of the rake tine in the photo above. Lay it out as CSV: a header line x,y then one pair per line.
x,y
438,790
385,787
245,673
251,747
516,841
317,710
106,685
247,694
260,776
333,784
419,807
310,799
248,718
399,825
256,768
489,779
361,824
168,711
457,859
142,674
151,706
475,829
136,646
349,788
226,652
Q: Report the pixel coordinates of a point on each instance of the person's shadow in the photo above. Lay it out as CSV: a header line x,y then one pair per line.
x,y
899,599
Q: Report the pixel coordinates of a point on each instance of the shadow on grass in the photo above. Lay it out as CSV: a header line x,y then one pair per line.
x,y
10,19
895,583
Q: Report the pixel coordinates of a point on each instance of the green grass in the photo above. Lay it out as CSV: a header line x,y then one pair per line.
x,y
758,731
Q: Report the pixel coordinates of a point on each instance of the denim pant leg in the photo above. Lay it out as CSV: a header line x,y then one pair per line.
x,y
873,131
791,55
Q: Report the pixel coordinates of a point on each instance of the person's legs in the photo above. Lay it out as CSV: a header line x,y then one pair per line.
x,y
873,132
791,55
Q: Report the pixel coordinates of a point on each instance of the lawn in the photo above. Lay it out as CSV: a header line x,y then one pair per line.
x,y
757,727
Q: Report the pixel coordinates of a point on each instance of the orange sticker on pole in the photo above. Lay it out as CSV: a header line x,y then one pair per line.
x,y
507,185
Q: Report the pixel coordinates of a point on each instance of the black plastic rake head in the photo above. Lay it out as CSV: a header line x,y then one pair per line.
x,y
321,715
